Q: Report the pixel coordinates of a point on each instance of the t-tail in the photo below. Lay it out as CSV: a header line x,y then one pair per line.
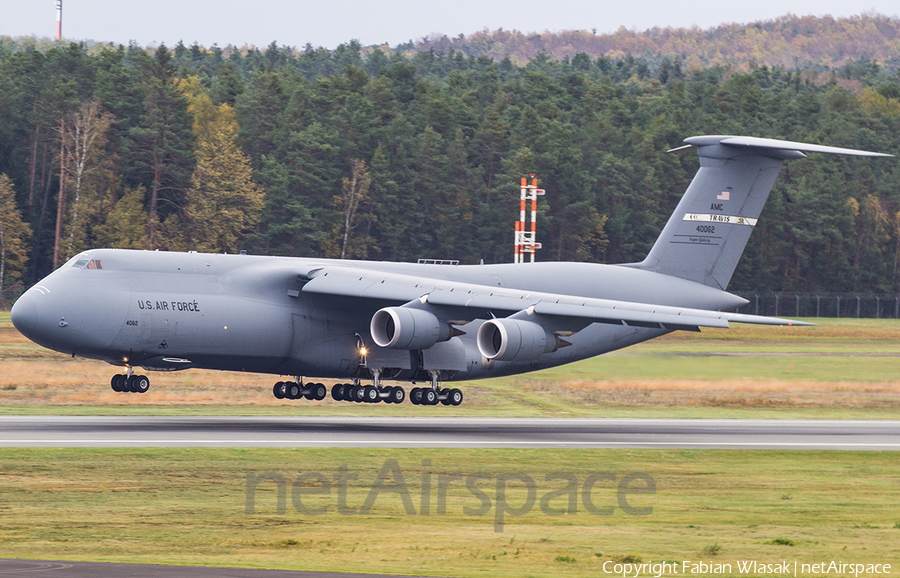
x,y
707,233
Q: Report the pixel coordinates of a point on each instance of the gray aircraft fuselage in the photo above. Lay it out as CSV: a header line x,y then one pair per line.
x,y
248,313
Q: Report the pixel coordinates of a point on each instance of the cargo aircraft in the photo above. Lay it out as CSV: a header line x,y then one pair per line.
x,y
357,321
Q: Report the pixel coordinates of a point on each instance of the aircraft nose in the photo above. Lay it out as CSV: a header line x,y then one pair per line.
x,y
25,316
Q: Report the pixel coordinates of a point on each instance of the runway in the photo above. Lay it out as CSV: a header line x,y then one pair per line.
x,y
393,432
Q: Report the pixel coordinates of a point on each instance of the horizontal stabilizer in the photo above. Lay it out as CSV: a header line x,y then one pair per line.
x,y
779,145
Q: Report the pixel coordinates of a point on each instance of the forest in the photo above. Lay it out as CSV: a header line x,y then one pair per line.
x,y
364,153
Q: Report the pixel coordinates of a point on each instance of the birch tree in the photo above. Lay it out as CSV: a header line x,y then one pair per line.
x,y
84,141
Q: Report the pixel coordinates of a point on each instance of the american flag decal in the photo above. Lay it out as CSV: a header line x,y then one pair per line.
x,y
724,196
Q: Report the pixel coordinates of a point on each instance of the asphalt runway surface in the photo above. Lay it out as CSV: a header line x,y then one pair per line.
x,y
62,569
463,432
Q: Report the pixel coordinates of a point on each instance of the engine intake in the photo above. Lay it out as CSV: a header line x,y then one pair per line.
x,y
514,340
407,328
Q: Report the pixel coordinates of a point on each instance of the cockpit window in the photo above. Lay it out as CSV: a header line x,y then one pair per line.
x,y
88,264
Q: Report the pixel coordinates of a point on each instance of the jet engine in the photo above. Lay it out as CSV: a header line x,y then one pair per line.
x,y
514,340
407,328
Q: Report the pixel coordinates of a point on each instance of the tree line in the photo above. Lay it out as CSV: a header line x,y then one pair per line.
x,y
817,43
354,153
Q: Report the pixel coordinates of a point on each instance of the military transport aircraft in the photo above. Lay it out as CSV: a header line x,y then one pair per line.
x,y
354,321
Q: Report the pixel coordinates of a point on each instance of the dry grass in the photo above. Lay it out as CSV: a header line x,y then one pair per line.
x,y
728,393
678,375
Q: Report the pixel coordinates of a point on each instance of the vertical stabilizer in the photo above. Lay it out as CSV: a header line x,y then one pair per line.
x,y
706,235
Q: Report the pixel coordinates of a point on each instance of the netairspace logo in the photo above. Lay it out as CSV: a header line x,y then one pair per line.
x,y
488,489
782,567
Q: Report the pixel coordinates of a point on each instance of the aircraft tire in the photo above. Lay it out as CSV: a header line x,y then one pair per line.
x,y
396,395
140,383
114,383
129,384
445,393
415,396
319,391
429,397
293,390
357,393
348,392
337,392
278,390
370,394
455,396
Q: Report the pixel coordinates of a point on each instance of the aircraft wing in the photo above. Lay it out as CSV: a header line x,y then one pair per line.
x,y
469,301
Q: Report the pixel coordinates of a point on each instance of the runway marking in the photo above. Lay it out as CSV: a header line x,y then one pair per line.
x,y
450,442
40,567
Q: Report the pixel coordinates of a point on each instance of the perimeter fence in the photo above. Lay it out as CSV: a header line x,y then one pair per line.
x,y
858,305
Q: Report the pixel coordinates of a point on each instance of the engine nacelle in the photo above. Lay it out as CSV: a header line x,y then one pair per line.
x,y
407,328
514,340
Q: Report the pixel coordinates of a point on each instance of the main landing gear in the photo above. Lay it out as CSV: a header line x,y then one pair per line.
x,y
297,390
367,393
375,393
434,394
431,396
129,383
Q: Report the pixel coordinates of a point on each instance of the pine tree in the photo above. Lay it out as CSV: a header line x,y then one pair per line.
x,y
223,203
14,235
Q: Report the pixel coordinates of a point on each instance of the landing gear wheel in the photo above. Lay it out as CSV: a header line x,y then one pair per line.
x,y
129,384
357,393
115,383
140,383
455,397
319,391
429,397
370,394
445,393
337,392
279,390
396,395
293,390
415,396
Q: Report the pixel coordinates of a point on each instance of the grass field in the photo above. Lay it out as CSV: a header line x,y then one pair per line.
x,y
188,506
842,369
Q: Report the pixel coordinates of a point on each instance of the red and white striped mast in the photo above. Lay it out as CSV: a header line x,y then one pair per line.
x,y
59,19
525,240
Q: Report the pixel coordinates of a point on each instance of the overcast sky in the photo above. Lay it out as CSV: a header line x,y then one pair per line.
x,y
331,22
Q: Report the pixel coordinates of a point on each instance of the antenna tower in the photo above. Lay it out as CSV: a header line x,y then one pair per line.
x,y
525,240
59,19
